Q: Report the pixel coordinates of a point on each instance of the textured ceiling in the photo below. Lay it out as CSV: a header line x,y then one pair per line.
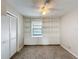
x,y
31,7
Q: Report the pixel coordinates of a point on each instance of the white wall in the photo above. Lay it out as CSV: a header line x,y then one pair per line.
x,y
20,40
20,32
69,32
3,7
51,32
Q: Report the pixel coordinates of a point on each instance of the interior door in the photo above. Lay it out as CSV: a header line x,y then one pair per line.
x,y
4,37
12,35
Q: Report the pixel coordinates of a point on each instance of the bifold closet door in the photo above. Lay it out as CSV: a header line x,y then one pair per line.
x,y
4,37
12,35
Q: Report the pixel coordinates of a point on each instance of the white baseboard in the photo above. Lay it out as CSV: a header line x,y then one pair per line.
x,y
69,51
41,44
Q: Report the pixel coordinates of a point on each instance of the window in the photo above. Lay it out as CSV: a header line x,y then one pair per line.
x,y
37,28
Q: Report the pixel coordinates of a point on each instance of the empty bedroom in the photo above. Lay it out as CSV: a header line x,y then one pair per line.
x,y
39,29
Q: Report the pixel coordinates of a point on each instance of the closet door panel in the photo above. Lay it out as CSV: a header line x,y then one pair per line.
x,y
4,28
5,50
13,47
12,35
4,37
12,27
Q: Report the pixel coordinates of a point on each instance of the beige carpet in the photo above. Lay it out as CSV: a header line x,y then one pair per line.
x,y
43,52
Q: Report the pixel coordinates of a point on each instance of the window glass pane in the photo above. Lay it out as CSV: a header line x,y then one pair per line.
x,y
36,28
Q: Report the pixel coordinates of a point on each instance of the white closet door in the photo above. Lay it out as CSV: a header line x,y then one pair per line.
x,y
12,35
4,37
5,50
